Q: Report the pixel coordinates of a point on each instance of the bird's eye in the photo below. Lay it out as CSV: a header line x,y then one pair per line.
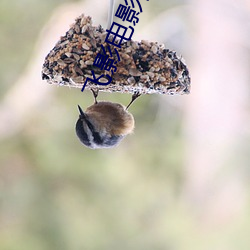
x,y
93,58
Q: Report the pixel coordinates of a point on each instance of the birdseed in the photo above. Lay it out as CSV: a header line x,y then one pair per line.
x,y
145,67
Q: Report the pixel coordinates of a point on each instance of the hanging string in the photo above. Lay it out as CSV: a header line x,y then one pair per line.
x,y
110,13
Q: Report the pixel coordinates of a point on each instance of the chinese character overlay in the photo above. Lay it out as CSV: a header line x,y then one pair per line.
x,y
132,2
96,80
126,14
103,61
117,38
116,35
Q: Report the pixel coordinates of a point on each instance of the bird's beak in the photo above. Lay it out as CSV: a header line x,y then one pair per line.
x,y
82,115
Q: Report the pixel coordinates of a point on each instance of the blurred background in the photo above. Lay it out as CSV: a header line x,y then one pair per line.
x,y
180,182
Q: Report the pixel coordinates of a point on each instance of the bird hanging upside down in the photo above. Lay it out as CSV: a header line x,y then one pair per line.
x,y
104,124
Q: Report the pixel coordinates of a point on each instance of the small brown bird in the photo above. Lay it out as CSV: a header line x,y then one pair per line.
x,y
104,124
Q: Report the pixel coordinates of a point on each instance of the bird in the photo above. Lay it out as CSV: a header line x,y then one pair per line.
x,y
104,124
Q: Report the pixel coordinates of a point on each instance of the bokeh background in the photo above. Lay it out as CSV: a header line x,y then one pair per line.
x,y
180,182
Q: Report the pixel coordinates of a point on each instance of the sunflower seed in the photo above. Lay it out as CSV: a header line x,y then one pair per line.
x,y
85,46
